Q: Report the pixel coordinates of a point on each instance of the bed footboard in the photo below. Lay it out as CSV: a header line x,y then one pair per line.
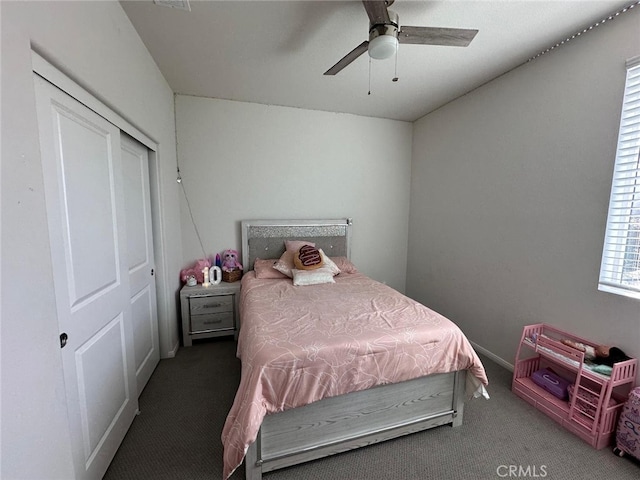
x,y
354,420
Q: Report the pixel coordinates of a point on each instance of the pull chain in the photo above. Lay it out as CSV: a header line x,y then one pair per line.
x,y
395,78
369,76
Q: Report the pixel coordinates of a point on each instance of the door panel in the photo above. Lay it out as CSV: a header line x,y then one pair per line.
x,y
135,164
84,193
103,393
92,266
144,338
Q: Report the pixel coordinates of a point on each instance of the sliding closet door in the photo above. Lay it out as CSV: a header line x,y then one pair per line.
x,y
85,198
144,317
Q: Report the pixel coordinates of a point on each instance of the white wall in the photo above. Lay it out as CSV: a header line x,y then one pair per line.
x,y
94,43
509,197
247,161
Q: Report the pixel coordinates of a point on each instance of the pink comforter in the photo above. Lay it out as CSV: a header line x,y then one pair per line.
x,y
301,344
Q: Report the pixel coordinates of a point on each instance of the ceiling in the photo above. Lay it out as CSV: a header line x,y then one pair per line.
x,y
275,52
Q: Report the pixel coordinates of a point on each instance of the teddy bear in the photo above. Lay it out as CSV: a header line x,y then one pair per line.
x,y
230,261
195,270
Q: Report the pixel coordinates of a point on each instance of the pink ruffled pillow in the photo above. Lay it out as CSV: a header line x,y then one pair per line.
x,y
344,264
264,269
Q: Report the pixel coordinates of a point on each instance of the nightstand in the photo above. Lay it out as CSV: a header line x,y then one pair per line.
x,y
209,311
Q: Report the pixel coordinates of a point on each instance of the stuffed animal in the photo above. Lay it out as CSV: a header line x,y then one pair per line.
x,y
195,270
185,273
199,268
230,261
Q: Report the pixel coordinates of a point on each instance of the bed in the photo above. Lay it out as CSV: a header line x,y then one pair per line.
x,y
334,366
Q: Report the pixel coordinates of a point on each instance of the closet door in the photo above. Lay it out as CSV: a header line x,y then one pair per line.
x,y
144,317
85,198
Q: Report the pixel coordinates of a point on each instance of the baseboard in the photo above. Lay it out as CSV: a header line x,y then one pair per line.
x,y
172,353
492,356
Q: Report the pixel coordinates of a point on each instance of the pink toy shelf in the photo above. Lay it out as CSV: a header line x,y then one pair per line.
x,y
592,410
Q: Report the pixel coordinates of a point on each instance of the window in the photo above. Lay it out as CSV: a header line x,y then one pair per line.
x,y
620,268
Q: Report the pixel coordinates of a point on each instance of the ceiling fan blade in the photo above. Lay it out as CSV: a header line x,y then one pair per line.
x,y
348,58
451,37
377,11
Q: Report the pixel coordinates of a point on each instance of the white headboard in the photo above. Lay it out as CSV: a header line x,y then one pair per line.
x,y
265,238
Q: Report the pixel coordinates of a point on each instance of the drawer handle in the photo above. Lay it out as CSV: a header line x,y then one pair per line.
x,y
212,321
213,305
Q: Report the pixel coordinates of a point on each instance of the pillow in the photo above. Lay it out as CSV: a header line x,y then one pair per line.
x,y
285,264
312,277
264,269
307,258
344,264
294,245
329,264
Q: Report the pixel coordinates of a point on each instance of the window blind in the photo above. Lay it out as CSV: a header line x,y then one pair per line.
x,y
620,267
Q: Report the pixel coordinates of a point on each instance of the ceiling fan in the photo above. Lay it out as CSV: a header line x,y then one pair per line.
x,y
385,33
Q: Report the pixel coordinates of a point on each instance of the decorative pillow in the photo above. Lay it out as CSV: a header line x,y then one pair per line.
x,y
307,258
344,264
285,264
312,277
294,245
264,269
329,264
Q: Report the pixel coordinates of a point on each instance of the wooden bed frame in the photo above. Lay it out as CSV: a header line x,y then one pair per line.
x,y
353,420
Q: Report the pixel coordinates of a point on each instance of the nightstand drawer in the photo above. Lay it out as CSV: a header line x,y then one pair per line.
x,y
209,312
212,322
212,304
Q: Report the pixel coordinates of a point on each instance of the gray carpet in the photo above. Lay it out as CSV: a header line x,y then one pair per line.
x,y
183,408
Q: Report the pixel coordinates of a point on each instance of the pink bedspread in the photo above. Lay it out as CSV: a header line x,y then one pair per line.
x,y
301,344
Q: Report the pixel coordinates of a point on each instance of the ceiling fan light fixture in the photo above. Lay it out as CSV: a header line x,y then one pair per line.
x,y
385,35
383,46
